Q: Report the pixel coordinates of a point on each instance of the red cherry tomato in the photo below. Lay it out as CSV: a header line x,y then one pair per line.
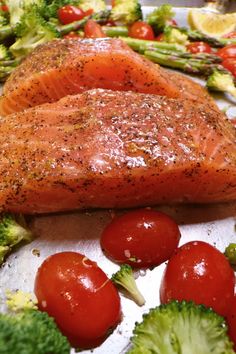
x,y
230,35
4,8
199,47
231,321
72,35
160,37
93,30
230,64
70,13
199,272
141,30
141,238
78,294
227,52
89,12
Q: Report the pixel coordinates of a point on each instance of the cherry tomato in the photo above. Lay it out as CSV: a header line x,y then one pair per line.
x,y
199,47
77,293
231,321
141,30
227,52
4,8
199,272
89,12
230,35
160,37
93,30
72,35
230,64
141,238
70,13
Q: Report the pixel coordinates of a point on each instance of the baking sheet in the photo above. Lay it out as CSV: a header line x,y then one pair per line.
x,y
80,231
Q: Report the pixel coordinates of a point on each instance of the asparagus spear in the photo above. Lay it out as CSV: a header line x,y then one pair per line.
x,y
141,44
191,66
198,36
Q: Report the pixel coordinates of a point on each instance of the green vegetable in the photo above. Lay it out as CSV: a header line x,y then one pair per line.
x,y
230,253
141,45
181,327
4,53
125,278
18,7
189,65
96,5
29,331
173,35
159,18
12,232
221,81
116,31
31,31
126,11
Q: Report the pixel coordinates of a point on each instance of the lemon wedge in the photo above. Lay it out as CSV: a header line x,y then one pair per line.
x,y
212,24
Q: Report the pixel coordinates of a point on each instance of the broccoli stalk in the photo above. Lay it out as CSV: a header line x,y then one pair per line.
x,y
24,329
160,17
125,278
126,11
181,327
11,234
221,81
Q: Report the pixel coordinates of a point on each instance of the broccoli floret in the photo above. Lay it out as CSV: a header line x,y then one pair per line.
x,y
4,53
18,7
159,18
30,331
12,232
221,81
230,253
125,278
3,19
31,31
96,5
181,327
174,35
126,11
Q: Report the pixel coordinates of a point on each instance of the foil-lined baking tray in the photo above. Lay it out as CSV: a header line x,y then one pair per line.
x,y
80,231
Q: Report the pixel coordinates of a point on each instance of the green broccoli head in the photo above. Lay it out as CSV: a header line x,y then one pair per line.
x,y
32,31
126,11
181,327
125,278
18,7
174,35
96,5
31,331
221,81
11,233
159,18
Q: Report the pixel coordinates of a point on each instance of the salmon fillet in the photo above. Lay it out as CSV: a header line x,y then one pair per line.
x,y
105,149
69,66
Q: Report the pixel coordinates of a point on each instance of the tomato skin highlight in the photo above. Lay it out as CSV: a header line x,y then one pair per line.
x,y
78,294
141,30
230,64
93,30
228,51
199,47
199,272
70,13
141,238
231,322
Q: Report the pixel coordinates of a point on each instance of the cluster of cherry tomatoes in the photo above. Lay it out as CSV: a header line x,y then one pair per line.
x,y
86,304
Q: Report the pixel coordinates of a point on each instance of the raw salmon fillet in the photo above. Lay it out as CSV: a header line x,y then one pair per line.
x,y
69,66
105,149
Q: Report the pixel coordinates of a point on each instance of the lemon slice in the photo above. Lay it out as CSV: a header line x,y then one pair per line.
x,y
212,24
